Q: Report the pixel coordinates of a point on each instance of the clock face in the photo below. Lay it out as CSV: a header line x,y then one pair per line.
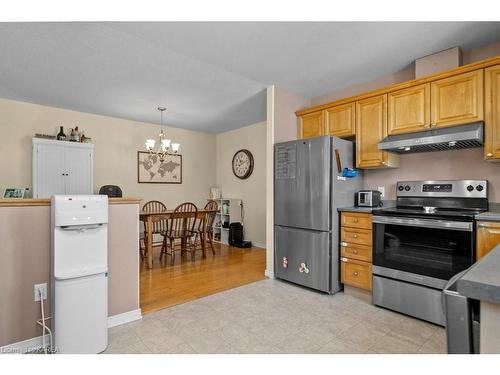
x,y
243,164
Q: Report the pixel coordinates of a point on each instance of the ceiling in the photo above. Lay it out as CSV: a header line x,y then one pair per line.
x,y
211,76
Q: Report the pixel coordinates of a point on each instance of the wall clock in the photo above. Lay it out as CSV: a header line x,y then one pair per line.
x,y
243,164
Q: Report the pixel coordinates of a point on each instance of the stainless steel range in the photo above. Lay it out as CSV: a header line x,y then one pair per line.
x,y
423,242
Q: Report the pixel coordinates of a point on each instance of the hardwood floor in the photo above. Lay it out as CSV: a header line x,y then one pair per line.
x,y
165,285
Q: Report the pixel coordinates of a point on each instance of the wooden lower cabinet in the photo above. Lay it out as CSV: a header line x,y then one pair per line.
x,y
356,220
356,273
492,113
356,249
487,237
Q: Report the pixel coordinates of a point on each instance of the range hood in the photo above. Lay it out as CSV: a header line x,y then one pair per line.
x,y
452,138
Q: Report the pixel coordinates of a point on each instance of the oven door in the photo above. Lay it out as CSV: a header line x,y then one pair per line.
x,y
434,248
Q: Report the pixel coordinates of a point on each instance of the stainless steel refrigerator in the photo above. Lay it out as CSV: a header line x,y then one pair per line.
x,y
308,189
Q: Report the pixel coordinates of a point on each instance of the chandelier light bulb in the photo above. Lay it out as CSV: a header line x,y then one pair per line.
x,y
175,147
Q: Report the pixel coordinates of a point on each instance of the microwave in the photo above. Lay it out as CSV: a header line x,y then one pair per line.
x,y
368,198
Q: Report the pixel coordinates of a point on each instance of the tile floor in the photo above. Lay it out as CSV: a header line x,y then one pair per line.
x,y
271,316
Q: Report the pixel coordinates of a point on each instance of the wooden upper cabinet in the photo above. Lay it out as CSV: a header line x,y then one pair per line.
x,y
409,109
488,236
492,113
371,128
457,100
312,125
340,120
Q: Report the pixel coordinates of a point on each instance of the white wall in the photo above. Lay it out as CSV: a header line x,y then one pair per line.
x,y
251,190
115,155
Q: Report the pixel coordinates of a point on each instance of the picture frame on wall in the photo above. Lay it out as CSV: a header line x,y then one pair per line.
x,y
14,193
150,170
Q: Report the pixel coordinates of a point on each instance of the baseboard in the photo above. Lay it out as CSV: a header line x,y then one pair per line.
x,y
258,244
37,342
269,274
123,318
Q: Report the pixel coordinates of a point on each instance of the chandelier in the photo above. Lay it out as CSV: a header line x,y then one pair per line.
x,y
165,146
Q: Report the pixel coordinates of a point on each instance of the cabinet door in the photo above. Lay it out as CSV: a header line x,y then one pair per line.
x,y
492,115
488,236
371,128
457,100
48,171
312,125
78,166
340,120
410,109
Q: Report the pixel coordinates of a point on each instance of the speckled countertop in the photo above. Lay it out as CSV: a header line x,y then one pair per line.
x,y
493,214
386,204
482,281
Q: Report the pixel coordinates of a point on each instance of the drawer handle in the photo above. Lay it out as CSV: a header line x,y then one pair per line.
x,y
355,251
489,154
355,220
355,236
355,273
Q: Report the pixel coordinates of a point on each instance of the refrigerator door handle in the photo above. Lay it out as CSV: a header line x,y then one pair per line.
x,y
339,162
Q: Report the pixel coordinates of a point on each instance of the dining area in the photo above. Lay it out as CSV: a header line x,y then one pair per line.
x,y
184,229
183,258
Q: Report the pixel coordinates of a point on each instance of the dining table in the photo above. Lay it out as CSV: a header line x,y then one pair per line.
x,y
149,218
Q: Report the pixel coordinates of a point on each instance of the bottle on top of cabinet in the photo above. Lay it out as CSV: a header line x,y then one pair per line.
x,y
61,136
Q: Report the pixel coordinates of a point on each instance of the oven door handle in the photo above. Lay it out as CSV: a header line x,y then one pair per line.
x,y
424,223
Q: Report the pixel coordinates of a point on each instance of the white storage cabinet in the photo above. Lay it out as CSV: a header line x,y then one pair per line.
x,y
62,167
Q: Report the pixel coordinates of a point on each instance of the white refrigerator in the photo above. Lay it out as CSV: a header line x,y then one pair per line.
x,y
79,273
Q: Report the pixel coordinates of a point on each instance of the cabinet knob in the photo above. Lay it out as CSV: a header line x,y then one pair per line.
x,y
355,251
355,220
355,273
384,163
355,236
489,154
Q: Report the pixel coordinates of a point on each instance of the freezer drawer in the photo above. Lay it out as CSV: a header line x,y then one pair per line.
x,y
81,314
303,257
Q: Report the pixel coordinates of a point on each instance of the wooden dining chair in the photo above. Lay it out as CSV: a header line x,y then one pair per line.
x,y
180,226
208,222
158,227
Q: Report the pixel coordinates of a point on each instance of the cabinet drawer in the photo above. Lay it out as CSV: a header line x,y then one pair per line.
x,y
356,273
356,220
355,251
356,235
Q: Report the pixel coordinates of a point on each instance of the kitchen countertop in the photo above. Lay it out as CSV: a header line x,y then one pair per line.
x,y
482,281
366,209
493,214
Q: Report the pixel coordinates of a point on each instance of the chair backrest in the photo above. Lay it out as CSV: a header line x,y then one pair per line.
x,y
210,217
156,206
183,218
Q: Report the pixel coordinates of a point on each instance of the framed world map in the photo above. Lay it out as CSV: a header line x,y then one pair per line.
x,y
150,170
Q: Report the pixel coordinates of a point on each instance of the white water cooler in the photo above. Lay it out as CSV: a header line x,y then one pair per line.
x,y
79,273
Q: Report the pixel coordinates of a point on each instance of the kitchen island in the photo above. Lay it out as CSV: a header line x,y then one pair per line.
x,y
25,261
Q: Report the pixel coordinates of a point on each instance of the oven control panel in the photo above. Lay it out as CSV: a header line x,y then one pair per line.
x,y
448,188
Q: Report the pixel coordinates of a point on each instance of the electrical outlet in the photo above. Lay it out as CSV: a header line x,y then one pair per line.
x,y
382,190
43,289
